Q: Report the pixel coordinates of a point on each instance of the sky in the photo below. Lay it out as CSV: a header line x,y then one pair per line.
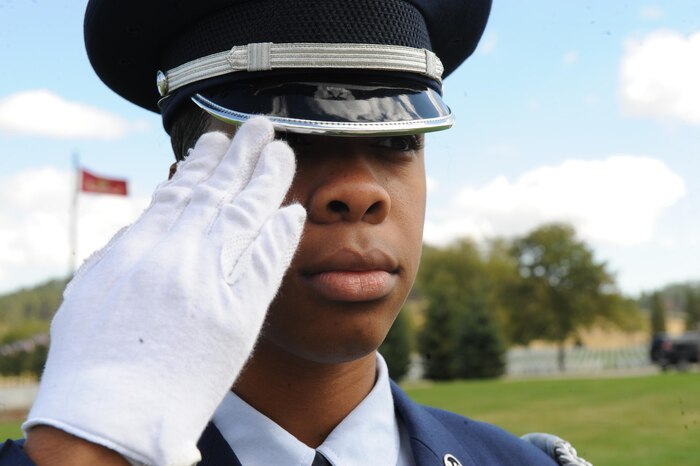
x,y
584,112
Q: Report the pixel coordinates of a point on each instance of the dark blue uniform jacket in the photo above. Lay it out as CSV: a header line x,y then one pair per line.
x,y
434,434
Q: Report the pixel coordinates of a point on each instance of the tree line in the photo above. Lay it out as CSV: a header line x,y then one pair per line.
x,y
25,316
680,301
545,285
469,304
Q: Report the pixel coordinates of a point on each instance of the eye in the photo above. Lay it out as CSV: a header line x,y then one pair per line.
x,y
405,143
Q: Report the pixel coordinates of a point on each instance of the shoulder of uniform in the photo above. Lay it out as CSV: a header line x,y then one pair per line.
x,y
557,448
494,444
12,454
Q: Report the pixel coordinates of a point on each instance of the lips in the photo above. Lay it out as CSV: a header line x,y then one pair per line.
x,y
352,276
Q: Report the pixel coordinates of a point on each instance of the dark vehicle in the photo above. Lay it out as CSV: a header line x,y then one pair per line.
x,y
667,351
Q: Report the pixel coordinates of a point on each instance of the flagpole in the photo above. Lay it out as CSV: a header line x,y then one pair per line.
x,y
73,233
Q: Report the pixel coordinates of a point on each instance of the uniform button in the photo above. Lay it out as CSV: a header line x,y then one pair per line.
x,y
162,83
450,460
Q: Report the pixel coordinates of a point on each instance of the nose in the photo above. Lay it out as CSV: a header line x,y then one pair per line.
x,y
350,193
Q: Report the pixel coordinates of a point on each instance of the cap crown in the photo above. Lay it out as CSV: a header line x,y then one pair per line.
x,y
129,41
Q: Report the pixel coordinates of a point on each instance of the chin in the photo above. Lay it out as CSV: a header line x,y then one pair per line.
x,y
340,355
331,334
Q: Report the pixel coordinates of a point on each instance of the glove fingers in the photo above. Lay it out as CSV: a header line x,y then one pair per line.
x,y
231,175
168,202
257,273
199,165
174,195
236,168
262,197
92,260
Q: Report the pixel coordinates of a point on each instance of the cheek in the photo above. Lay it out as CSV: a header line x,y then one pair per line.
x,y
408,201
299,190
408,208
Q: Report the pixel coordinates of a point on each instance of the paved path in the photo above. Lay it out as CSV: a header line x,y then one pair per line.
x,y
18,397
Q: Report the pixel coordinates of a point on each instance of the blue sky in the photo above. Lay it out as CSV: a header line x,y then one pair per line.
x,y
586,112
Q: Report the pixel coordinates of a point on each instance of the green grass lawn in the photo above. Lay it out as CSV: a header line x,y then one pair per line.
x,y
10,430
640,421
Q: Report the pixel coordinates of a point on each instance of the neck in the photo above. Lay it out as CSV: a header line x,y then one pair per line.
x,y
308,399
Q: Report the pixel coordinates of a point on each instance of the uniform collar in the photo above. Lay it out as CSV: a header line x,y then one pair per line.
x,y
431,442
369,432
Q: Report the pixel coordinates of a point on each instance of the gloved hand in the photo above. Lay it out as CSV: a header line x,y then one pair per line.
x,y
154,328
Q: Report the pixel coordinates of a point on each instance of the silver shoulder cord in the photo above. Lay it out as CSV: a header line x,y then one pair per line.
x,y
557,448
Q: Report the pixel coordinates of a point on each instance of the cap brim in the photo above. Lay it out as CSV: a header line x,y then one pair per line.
x,y
331,108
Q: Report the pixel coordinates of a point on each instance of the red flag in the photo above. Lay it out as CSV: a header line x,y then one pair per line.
x,y
90,183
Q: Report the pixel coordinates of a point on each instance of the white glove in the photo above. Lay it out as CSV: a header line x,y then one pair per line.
x,y
154,329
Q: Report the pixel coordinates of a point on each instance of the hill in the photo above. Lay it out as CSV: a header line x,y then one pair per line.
x,y
29,310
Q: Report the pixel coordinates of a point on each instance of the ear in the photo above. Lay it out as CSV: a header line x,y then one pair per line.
x,y
173,169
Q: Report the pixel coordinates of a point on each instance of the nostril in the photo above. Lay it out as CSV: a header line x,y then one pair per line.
x,y
338,207
374,207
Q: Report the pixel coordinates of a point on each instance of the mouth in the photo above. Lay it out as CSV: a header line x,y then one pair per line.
x,y
351,276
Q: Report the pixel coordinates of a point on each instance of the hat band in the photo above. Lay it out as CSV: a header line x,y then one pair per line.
x,y
269,56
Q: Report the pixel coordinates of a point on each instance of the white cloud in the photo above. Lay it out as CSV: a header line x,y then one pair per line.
x,y
659,76
430,184
651,12
43,113
34,214
570,57
611,201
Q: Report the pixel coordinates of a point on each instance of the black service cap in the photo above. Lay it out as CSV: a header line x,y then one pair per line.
x,y
346,67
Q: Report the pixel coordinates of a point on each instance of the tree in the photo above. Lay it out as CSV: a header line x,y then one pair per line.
x,y
480,347
692,309
657,314
678,299
562,288
396,347
437,340
460,337
26,356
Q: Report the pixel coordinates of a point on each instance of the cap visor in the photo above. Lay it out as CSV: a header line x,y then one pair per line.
x,y
341,109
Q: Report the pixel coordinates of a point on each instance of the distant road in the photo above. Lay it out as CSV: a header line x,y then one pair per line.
x,y
17,397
